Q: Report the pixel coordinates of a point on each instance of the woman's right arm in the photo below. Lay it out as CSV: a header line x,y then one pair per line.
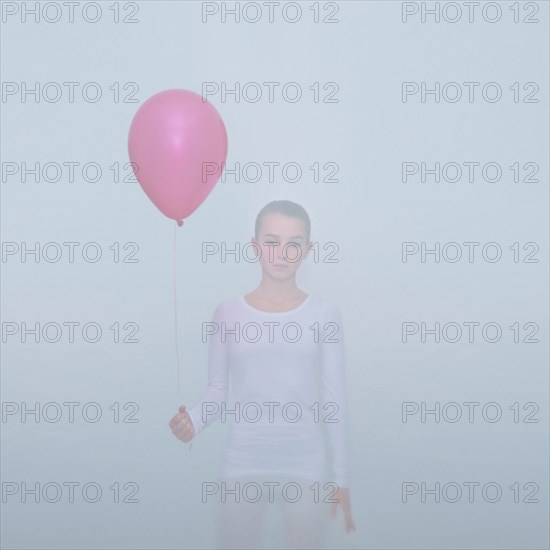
x,y
209,407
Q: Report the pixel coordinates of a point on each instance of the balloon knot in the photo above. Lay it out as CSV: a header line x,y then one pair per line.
x,y
180,222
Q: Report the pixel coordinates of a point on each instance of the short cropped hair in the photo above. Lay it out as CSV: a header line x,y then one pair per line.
x,y
288,208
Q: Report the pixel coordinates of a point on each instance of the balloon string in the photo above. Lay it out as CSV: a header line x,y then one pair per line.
x,y
176,315
176,318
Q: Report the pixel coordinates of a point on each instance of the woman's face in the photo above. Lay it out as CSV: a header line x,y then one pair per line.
x,y
283,244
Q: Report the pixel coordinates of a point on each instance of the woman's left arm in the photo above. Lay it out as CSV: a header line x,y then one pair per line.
x,y
333,391
334,397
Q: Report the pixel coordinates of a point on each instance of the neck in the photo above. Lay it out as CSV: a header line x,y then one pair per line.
x,y
275,290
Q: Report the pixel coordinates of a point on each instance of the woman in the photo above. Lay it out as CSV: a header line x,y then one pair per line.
x,y
284,352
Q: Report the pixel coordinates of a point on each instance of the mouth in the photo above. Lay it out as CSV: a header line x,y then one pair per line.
x,y
280,266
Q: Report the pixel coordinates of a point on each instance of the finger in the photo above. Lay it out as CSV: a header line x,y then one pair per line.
x,y
346,506
184,421
185,438
181,418
332,512
175,420
182,428
181,412
187,435
350,525
180,431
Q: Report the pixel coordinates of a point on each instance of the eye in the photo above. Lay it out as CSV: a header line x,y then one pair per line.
x,y
271,242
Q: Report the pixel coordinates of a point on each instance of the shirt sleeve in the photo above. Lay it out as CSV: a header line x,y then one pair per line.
x,y
333,392
208,409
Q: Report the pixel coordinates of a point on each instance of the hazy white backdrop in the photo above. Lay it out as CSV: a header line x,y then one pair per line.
x,y
368,212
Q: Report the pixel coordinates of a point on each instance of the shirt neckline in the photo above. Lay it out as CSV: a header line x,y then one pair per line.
x,y
243,300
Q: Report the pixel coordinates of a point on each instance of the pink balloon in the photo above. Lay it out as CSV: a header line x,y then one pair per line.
x,y
178,144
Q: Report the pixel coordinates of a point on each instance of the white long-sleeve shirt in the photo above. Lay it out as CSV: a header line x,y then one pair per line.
x,y
287,374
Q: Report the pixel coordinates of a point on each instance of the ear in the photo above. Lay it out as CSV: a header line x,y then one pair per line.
x,y
308,249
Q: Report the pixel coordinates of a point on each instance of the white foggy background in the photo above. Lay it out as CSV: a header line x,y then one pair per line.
x,y
369,213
